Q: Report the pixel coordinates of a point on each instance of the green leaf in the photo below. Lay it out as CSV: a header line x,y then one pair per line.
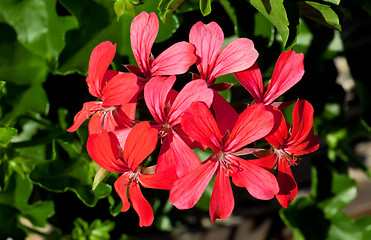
x,y
100,175
276,12
17,195
189,5
320,13
6,135
205,7
344,191
18,64
97,230
121,6
38,26
2,88
34,99
167,7
343,227
70,170
303,216
9,224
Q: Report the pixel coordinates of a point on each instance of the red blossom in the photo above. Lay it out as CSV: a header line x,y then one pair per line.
x,y
167,107
174,60
253,124
288,71
126,156
112,87
290,142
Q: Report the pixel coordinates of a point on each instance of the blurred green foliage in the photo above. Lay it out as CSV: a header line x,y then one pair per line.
x,y
44,52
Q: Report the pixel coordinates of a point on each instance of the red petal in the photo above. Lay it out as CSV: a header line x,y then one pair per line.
x,y
159,180
194,91
238,55
140,143
225,115
187,190
174,60
166,161
125,115
288,71
253,124
87,109
143,32
221,86
302,122
103,120
155,96
208,40
278,137
286,182
184,158
103,149
100,59
259,182
251,80
136,70
199,124
140,205
120,89
95,123
308,145
267,162
222,201
121,187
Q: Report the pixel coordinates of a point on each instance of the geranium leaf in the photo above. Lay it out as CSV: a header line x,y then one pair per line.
x,y
320,13
70,170
286,22
19,65
205,7
43,31
17,195
121,6
167,7
6,134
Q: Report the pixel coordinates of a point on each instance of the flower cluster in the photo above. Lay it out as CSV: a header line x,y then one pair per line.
x,y
195,117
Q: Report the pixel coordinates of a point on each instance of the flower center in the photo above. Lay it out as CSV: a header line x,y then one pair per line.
x,y
133,176
223,161
164,130
290,158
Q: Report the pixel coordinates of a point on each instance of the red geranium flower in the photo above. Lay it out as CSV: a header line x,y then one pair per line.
x,y
289,142
126,156
167,107
288,71
112,87
253,124
174,60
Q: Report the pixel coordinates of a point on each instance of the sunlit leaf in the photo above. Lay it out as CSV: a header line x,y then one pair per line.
x,y
121,6
18,64
276,13
6,135
205,7
97,230
167,7
38,26
320,13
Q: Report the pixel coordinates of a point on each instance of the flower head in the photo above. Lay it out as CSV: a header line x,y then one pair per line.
x,y
288,71
290,142
253,124
112,87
